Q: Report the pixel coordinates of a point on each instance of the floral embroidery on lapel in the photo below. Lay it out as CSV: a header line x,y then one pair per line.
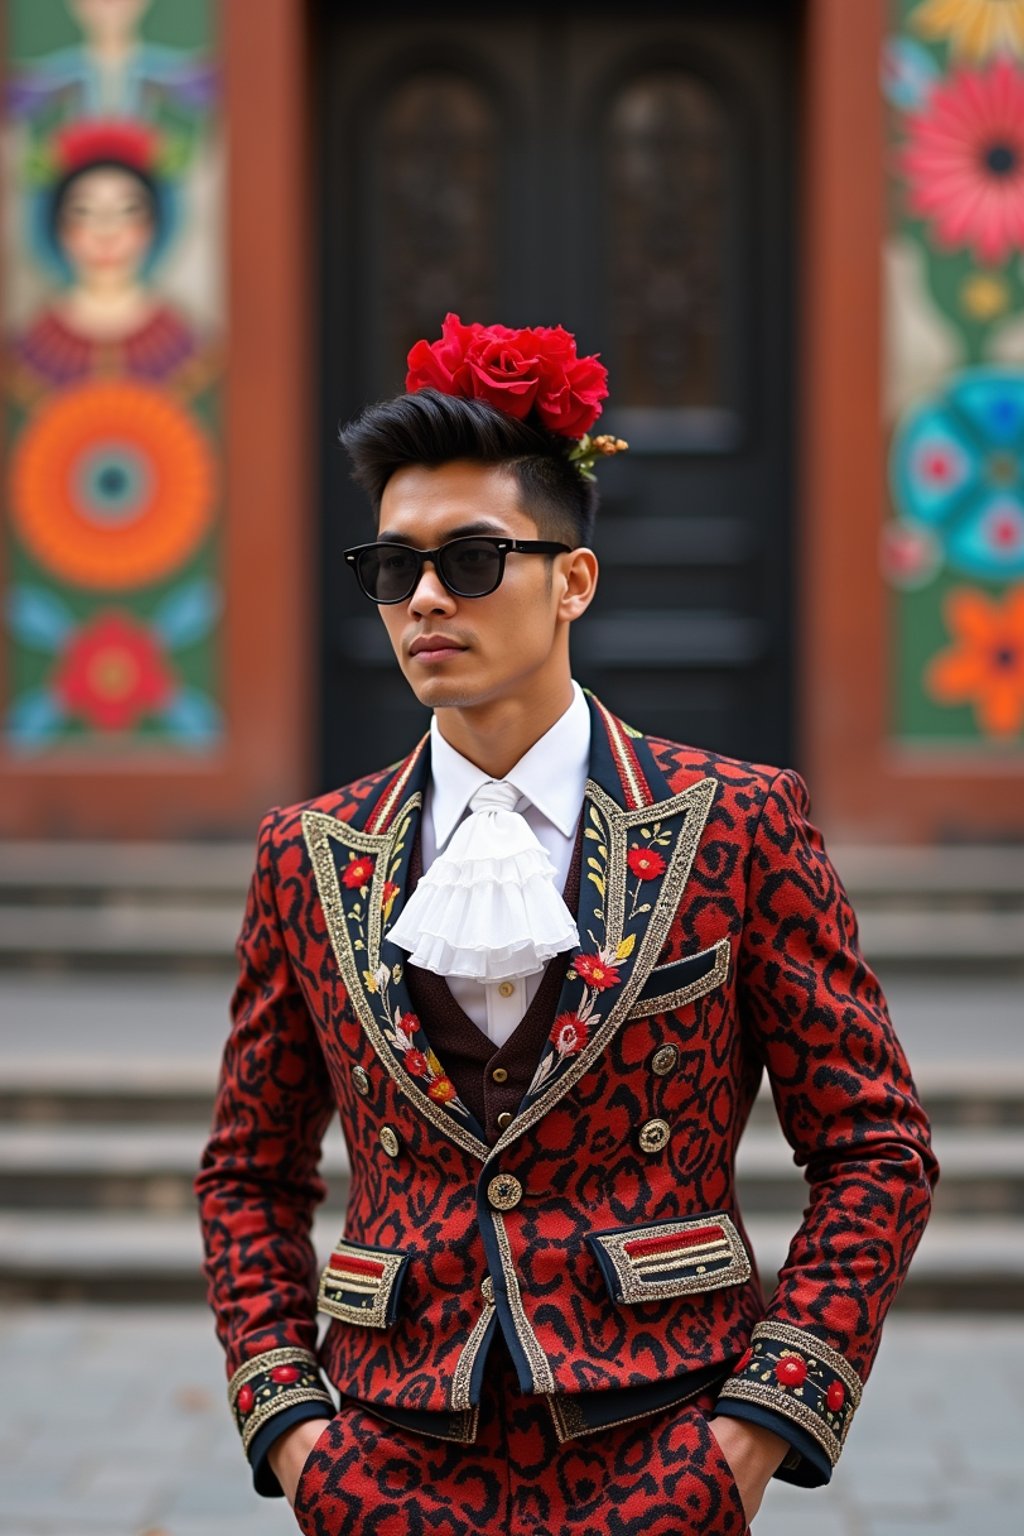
x,y
360,878
621,845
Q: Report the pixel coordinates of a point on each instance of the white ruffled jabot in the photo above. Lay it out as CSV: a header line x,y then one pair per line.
x,y
488,906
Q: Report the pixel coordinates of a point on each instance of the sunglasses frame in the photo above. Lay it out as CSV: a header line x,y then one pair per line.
x,y
502,546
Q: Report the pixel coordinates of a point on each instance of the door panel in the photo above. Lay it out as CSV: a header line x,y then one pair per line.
x,y
634,183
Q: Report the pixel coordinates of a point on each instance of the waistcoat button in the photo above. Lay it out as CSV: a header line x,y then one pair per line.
x,y
500,1074
504,1191
654,1135
360,1081
664,1059
505,1118
389,1140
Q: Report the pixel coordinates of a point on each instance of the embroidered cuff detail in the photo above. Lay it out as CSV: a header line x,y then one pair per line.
x,y
671,1258
361,1284
794,1373
271,1382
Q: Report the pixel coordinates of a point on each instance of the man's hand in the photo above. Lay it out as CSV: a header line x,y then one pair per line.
x,y
287,1455
753,1453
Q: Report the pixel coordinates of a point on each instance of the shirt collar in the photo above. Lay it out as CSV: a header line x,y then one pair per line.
x,y
552,774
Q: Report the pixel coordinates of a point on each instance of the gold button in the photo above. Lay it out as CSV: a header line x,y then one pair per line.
x,y
505,1118
500,1074
389,1140
487,1289
360,1081
507,988
504,1191
654,1135
664,1059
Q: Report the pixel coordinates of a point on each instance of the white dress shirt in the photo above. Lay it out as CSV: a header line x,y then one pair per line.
x,y
550,778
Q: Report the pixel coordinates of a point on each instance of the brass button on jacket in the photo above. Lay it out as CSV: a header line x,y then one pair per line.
x,y
360,1080
664,1059
505,1118
388,1138
654,1135
500,1074
504,1191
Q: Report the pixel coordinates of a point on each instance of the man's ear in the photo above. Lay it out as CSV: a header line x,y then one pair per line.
x,y
579,575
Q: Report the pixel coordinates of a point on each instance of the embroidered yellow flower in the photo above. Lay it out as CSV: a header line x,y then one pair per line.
x,y
975,28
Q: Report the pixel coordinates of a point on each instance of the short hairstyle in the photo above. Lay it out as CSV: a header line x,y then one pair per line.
x,y
428,427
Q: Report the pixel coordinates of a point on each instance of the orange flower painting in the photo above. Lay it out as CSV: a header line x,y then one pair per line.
x,y
984,666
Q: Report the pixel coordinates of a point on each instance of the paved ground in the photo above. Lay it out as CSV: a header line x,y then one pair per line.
x,y
116,1424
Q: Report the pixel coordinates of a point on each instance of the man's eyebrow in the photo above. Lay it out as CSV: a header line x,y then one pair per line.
x,y
464,530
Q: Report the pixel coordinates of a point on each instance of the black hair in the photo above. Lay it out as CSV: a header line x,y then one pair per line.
x,y
431,428
63,188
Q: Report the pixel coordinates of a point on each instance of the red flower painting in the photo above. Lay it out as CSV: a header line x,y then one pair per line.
x,y
113,672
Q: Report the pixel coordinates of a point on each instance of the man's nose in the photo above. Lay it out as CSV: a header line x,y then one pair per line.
x,y
430,594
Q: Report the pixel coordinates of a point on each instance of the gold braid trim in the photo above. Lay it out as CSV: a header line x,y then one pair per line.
x,y
270,1397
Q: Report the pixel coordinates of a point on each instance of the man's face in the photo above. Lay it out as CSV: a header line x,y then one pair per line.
x,y
497,645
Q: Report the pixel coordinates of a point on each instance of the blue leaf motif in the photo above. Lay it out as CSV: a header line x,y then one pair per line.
x,y
39,618
194,717
33,719
187,614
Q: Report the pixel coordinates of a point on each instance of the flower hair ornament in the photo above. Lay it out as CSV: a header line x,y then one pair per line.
x,y
533,373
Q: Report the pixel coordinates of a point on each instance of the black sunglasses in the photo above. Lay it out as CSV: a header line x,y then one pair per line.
x,y
468,567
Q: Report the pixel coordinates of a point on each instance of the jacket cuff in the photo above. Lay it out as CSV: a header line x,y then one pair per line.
x,y
264,1478
797,1377
270,1383
806,1465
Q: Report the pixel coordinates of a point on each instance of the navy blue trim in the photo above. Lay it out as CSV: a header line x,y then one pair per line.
x,y
264,1479
485,1217
442,1422
813,1470
610,1405
677,974
476,1379
417,780
601,767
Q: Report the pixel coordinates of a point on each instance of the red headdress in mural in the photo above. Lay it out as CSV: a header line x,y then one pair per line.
x,y
96,140
534,373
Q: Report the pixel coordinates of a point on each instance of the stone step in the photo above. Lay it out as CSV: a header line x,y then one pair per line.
x,y
145,1258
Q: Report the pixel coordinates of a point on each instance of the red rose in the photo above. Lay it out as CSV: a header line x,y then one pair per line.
x,y
645,863
593,969
416,1063
357,873
534,369
569,1034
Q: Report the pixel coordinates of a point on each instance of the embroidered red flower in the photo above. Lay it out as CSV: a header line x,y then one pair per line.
x,y
791,1371
416,1063
569,1034
246,1398
442,1089
357,873
646,863
835,1397
596,971
409,1023
533,369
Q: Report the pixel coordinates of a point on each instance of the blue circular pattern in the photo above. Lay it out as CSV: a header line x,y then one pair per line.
x,y
113,484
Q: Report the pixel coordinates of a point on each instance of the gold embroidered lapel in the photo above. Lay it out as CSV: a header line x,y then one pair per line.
x,y
635,867
361,879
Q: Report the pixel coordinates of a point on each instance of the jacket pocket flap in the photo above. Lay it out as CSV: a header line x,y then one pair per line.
x,y
362,1284
672,986
671,1258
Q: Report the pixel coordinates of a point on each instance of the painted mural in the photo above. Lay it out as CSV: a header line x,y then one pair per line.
x,y
113,338
953,548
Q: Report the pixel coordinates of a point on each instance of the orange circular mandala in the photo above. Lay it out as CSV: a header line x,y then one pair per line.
x,y
112,485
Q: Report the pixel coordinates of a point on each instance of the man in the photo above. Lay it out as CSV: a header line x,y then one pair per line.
x,y
539,967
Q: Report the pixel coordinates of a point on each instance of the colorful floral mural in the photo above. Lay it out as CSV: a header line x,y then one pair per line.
x,y
113,320
953,547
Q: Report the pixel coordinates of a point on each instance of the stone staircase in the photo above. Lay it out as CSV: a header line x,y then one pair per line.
x,y
100,1138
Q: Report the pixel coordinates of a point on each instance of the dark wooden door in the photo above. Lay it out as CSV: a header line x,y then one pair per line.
x,y
632,178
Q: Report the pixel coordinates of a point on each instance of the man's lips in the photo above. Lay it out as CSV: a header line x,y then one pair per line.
x,y
435,645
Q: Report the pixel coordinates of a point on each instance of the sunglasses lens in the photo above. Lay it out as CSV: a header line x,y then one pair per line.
x,y
388,572
471,567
